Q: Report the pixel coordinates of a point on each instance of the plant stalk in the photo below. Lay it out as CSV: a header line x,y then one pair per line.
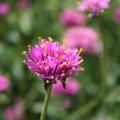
x,y
46,101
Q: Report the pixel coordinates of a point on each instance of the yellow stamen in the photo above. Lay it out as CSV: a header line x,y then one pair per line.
x,y
46,68
39,38
81,60
50,39
52,77
24,61
42,45
24,52
81,50
29,46
69,63
47,81
82,69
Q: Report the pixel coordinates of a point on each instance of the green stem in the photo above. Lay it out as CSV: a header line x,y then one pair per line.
x,y
46,101
103,65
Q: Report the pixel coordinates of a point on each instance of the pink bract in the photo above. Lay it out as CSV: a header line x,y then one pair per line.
x,y
83,37
4,8
72,88
94,7
71,17
4,83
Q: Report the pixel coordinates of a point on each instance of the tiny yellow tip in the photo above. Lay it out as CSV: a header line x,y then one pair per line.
x,y
24,52
50,39
81,61
24,61
82,69
29,46
52,77
39,38
81,50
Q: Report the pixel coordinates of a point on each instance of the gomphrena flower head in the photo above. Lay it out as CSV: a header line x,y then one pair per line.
x,y
83,37
72,87
117,15
4,83
94,7
53,61
70,17
4,8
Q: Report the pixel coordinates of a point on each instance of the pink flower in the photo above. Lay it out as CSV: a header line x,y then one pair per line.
x,y
94,7
18,110
22,4
72,88
9,113
4,83
14,112
52,61
71,17
117,15
83,37
4,8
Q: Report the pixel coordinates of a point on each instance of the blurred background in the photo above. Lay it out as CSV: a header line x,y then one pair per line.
x,y
97,93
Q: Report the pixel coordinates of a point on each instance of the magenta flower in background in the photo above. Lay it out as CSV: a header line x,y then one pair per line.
x,y
8,114
72,88
4,83
71,17
94,7
22,4
117,15
14,112
4,8
18,109
83,37
53,61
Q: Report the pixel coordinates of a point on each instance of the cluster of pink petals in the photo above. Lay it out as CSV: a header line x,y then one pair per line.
x,y
22,4
14,112
94,7
4,8
72,88
52,61
117,15
4,83
83,37
70,17
9,113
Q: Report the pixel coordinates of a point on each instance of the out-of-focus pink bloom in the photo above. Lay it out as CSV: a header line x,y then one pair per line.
x,y
9,113
117,15
71,17
14,112
4,8
94,7
22,4
4,83
83,37
53,61
72,88
18,110
67,103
